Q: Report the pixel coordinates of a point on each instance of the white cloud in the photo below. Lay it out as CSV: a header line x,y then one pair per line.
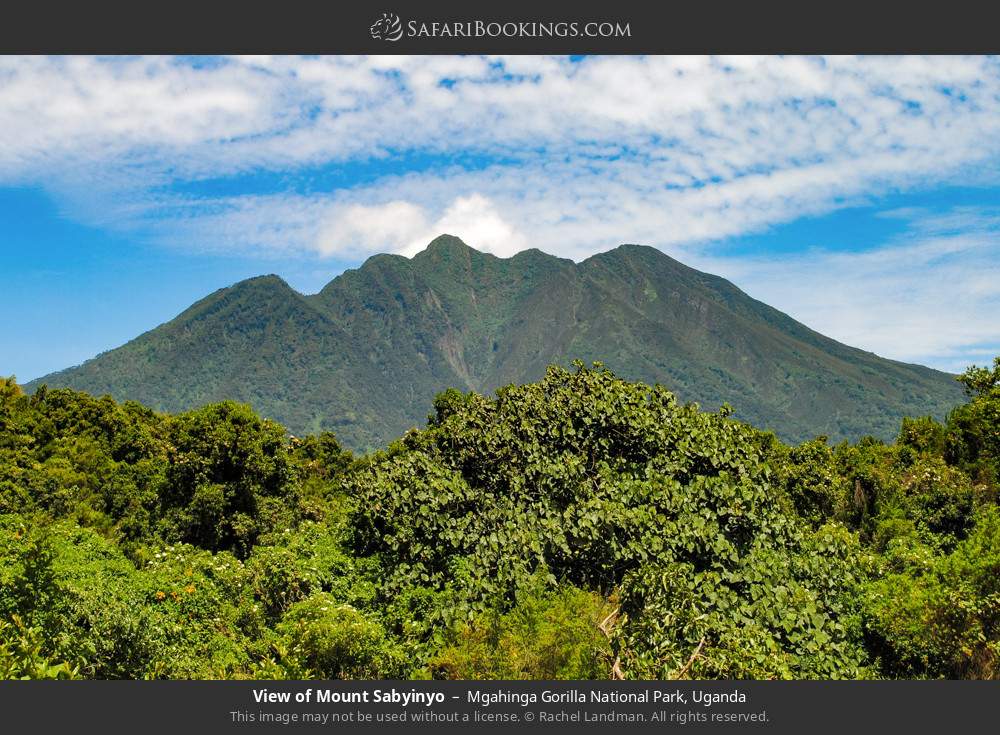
x,y
480,225
403,227
358,228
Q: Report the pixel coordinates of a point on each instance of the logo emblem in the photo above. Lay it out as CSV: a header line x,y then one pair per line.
x,y
387,28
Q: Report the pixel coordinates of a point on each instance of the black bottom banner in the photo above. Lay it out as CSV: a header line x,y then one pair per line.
x,y
391,706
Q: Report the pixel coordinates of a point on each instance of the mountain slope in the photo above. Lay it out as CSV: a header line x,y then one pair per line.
x,y
365,356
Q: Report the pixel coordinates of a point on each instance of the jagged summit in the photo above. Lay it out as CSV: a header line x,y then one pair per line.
x,y
447,245
366,355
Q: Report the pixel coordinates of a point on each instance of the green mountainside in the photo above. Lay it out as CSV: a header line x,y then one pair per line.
x,y
365,356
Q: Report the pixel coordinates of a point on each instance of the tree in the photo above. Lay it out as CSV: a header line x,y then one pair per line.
x,y
609,486
223,461
980,380
973,441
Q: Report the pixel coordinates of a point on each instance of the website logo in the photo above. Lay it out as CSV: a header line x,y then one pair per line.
x,y
387,28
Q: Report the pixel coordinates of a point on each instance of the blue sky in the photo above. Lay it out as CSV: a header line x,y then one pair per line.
x,y
858,195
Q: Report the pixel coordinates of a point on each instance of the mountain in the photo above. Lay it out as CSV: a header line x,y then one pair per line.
x,y
365,356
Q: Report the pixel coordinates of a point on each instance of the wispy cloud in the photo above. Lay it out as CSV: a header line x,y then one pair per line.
x,y
931,296
683,147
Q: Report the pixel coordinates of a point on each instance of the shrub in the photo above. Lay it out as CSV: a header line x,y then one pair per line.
x,y
547,634
942,618
333,640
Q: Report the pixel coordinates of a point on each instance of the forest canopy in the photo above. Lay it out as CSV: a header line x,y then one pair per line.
x,y
579,527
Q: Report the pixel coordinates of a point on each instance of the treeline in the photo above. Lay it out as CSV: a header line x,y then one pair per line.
x,y
579,527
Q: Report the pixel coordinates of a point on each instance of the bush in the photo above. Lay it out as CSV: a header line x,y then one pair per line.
x,y
942,618
548,634
332,640
809,476
773,616
22,656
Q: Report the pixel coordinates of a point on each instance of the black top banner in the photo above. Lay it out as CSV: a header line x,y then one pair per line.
x,y
446,26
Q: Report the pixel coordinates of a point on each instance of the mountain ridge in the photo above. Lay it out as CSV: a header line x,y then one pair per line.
x,y
366,354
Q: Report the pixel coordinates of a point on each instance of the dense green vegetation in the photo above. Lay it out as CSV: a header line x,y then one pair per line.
x,y
366,356
582,526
